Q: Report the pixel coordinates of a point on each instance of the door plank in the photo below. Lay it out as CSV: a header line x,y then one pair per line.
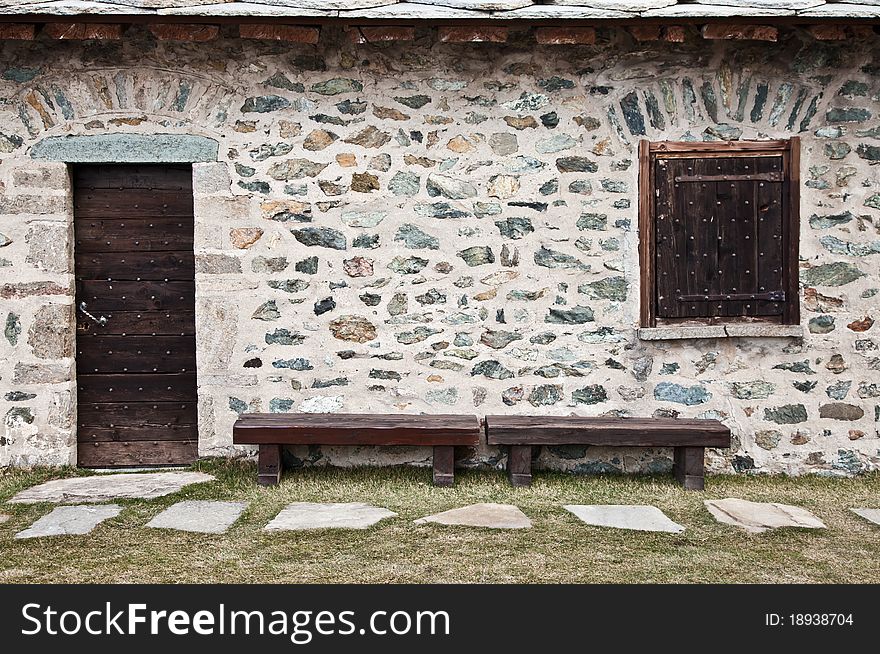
x,y
144,176
110,454
665,262
134,414
139,433
153,323
769,228
121,354
136,387
122,204
130,266
102,295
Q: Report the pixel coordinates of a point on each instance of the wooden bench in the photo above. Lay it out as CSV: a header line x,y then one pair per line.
x,y
689,438
273,430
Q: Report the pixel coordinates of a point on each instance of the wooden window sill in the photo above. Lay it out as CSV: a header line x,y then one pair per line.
x,y
751,330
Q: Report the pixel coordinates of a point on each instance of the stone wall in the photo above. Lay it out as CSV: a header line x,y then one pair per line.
x,y
434,227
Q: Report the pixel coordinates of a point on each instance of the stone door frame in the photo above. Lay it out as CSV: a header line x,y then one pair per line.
x,y
57,153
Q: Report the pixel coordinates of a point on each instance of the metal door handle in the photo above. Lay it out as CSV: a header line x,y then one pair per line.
x,y
100,321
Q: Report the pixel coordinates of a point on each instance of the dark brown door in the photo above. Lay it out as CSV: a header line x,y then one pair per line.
x,y
135,299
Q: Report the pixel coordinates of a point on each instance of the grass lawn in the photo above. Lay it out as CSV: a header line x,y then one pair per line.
x,y
558,548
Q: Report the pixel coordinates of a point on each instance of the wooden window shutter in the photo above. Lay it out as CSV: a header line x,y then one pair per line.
x,y
719,237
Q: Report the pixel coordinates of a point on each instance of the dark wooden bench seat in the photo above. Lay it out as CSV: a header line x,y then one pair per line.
x,y
688,437
273,430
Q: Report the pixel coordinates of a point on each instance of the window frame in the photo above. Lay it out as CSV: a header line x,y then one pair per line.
x,y
648,153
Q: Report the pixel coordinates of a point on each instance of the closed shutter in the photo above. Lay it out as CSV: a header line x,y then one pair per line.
x,y
719,237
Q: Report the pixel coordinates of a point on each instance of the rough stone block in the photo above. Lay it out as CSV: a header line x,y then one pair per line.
x,y
165,4
565,35
758,330
46,176
197,516
226,210
211,178
871,515
645,32
229,381
83,31
50,247
29,289
488,515
33,204
828,32
101,488
675,332
472,34
184,32
216,331
291,33
216,263
740,32
70,520
127,148
51,335
367,34
758,517
17,32
635,517
674,33
310,515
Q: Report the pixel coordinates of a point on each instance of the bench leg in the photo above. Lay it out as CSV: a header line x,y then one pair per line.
x,y
519,465
444,465
688,467
269,465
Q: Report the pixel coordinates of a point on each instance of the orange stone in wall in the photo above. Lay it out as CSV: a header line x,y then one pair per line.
x,y
827,32
645,32
565,35
674,33
83,31
472,34
17,31
367,34
740,32
184,32
292,33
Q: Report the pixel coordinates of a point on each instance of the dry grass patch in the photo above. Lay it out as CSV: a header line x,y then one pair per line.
x,y
559,548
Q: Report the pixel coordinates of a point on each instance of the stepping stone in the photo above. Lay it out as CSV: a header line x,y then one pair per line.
x,y
204,517
493,516
312,515
4,518
102,488
871,515
758,517
638,517
70,520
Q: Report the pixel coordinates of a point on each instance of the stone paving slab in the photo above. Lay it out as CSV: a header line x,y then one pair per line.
x,y
316,515
490,515
758,517
70,520
102,488
638,517
200,516
871,515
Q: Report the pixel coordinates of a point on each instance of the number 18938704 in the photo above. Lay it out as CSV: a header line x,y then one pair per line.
x,y
808,620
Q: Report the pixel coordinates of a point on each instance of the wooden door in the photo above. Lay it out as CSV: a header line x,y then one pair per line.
x,y
135,300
